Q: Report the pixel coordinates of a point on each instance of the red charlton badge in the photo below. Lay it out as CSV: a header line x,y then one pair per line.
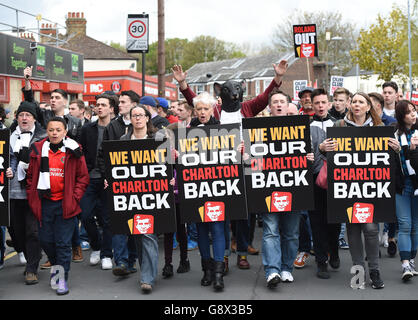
x,y
214,211
143,224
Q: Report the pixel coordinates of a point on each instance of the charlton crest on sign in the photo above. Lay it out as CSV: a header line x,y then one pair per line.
x,y
116,87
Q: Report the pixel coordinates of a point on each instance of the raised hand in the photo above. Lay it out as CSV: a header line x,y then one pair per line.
x,y
179,75
280,68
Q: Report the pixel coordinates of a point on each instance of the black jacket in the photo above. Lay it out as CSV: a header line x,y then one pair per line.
x,y
159,122
336,115
114,130
73,124
88,140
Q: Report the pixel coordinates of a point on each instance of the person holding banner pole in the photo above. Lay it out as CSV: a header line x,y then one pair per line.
x,y
407,187
325,236
147,244
362,114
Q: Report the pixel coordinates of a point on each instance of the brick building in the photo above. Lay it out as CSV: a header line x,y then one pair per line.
x,y
256,71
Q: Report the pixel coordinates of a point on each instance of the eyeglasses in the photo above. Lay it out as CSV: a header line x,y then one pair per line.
x,y
138,116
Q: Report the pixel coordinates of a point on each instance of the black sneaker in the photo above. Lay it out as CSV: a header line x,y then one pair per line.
x,y
273,280
334,262
120,270
376,281
392,248
322,272
407,273
168,271
184,267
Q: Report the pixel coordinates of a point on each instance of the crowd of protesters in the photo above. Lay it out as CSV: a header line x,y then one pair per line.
x,y
58,186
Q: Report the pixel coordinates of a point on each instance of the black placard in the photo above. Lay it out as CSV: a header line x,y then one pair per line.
x,y
4,181
361,185
210,174
140,194
278,175
305,41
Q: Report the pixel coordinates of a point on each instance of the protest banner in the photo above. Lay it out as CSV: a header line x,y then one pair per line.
x,y
279,177
305,41
141,199
298,85
361,185
4,181
335,83
210,174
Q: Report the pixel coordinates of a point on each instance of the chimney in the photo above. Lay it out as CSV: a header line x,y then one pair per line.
x,y
50,30
76,23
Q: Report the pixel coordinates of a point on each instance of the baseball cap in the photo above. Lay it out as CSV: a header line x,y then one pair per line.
x,y
163,102
307,89
148,100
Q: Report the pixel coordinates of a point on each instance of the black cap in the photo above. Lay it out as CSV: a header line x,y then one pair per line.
x,y
307,89
26,106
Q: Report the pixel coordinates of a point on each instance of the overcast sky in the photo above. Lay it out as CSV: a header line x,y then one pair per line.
x,y
238,21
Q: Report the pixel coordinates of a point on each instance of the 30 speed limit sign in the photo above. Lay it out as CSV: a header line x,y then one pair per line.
x,y
137,35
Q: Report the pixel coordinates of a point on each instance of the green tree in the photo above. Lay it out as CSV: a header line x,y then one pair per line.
x,y
336,52
383,47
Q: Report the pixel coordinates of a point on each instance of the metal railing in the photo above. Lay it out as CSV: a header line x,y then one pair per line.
x,y
19,29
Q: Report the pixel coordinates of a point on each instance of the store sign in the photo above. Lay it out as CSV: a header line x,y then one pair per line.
x,y
49,63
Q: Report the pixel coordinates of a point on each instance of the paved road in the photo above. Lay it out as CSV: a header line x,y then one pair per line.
x,y
88,282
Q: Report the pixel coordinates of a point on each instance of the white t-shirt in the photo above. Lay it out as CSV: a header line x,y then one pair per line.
x,y
389,112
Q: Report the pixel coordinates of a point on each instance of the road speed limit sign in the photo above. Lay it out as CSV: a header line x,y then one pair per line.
x,y
137,35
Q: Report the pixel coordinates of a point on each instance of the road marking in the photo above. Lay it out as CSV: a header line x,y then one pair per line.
x,y
10,255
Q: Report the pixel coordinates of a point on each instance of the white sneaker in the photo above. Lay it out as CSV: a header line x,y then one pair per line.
x,y
107,264
385,238
94,257
286,276
22,258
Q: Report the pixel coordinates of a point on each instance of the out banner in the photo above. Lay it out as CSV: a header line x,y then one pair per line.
x,y
305,41
210,174
278,176
361,185
335,83
4,182
141,199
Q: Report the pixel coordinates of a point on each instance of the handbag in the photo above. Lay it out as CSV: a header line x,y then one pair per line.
x,y
321,179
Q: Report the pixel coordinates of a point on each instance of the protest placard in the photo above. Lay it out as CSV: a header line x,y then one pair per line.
x,y
361,186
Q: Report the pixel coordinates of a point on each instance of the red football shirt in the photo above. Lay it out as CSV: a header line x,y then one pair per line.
x,y
56,174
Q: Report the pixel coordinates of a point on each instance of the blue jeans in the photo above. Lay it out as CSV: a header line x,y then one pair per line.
x,y
227,233
83,234
55,234
342,232
218,240
242,232
191,231
407,214
280,241
305,233
124,249
75,239
147,245
95,197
